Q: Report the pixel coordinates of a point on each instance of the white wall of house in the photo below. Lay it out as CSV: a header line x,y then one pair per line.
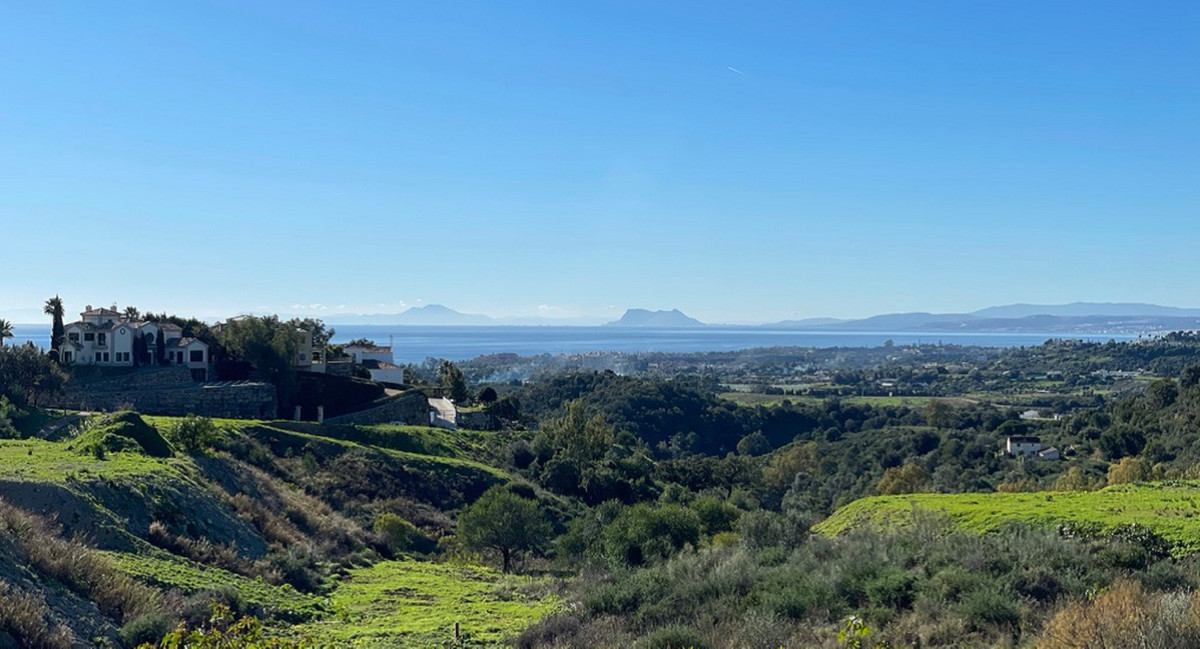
x,y
1019,447
388,376
362,354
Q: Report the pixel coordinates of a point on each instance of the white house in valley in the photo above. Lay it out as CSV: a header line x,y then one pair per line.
x,y
106,337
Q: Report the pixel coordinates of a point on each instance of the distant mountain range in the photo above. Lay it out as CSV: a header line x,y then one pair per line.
x,y
1078,317
673,319
1086,309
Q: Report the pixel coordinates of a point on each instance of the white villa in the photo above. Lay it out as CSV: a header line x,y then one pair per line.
x,y
106,337
1025,446
362,354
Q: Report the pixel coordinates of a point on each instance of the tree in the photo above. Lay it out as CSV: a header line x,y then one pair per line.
x,y
505,522
785,465
270,346
488,395
132,313
360,342
1074,480
754,444
6,330
320,335
939,414
54,309
26,374
1190,377
645,533
454,384
160,347
1128,470
908,479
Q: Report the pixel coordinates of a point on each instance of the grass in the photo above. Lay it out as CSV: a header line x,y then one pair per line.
x,y
1170,509
415,604
35,460
170,571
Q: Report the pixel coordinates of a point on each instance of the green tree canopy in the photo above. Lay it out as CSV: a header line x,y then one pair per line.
x,y
270,346
505,522
454,384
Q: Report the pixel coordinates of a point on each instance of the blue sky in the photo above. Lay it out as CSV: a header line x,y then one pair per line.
x,y
741,161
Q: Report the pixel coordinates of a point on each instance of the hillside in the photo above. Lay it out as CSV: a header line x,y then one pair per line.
x,y
270,518
1169,509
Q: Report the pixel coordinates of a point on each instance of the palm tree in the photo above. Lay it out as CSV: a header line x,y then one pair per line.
x,y
132,313
54,309
6,330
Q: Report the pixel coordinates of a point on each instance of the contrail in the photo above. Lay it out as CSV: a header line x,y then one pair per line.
x,y
733,69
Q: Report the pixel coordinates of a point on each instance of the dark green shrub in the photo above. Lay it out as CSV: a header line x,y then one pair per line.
x,y
793,601
984,608
194,434
892,589
715,516
646,533
1037,582
149,628
672,637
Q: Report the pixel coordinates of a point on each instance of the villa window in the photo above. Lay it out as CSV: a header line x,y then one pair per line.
x,y
89,337
303,357
102,339
99,357
197,355
316,357
73,336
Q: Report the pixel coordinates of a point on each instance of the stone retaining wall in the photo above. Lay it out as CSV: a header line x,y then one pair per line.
x,y
171,392
408,408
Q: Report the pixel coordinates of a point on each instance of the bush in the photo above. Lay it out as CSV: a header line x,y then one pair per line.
x,y
672,637
645,533
148,628
194,434
892,589
984,608
397,532
24,617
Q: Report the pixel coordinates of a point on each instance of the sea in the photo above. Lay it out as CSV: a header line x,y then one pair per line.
x,y
414,344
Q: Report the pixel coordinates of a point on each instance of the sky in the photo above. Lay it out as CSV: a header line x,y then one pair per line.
x,y
741,161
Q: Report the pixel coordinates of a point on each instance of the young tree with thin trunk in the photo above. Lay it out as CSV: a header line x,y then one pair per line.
x,y
505,522
6,331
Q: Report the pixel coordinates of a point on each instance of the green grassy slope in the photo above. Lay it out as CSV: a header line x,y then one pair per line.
x,y
1170,509
415,604
267,488
169,571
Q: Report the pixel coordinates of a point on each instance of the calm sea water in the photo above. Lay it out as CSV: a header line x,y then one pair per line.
x,y
413,344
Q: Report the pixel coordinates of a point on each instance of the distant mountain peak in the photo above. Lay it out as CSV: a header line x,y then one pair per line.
x,y
439,315
658,319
